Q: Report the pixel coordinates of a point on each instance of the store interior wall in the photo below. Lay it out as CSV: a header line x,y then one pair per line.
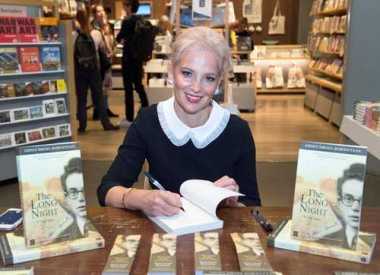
x,y
304,21
289,8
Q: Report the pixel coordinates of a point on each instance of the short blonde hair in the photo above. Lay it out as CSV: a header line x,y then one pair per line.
x,y
204,38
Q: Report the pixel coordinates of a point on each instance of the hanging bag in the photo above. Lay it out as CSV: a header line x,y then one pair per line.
x,y
277,22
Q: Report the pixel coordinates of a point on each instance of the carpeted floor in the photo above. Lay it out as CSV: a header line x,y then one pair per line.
x,y
276,184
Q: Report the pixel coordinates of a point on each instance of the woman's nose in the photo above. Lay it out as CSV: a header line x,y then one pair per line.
x,y
195,85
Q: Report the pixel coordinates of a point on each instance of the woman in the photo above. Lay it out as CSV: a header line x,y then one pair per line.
x,y
187,136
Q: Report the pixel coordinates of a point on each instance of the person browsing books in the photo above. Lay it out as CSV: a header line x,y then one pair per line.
x,y
188,136
350,194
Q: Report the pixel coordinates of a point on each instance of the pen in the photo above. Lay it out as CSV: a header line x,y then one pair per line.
x,y
157,184
267,226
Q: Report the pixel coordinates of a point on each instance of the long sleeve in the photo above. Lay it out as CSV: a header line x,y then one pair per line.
x,y
245,169
127,165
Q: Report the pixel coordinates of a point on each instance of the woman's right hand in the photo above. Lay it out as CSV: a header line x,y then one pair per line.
x,y
155,202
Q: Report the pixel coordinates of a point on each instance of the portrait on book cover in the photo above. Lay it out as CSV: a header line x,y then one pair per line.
x,y
126,245
247,242
207,242
164,243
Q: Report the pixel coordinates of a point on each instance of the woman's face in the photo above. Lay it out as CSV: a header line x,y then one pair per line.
x,y
195,77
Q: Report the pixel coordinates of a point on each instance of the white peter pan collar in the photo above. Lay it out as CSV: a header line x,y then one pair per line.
x,y
179,133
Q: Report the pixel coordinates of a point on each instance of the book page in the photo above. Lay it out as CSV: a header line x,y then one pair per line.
x,y
205,194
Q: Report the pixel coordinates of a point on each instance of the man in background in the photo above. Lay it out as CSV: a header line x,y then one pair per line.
x,y
132,66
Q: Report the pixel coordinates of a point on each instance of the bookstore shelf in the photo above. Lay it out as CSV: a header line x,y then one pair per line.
x,y
337,76
33,90
332,12
33,119
334,86
28,97
361,135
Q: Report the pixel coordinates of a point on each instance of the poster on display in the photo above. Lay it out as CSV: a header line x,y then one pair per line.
x,y
253,10
202,10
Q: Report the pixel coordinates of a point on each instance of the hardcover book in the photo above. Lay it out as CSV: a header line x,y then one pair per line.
x,y
6,140
36,112
34,135
207,256
21,114
8,29
5,116
122,255
61,85
163,254
281,238
250,253
200,208
20,138
49,30
27,29
29,59
51,192
64,130
50,58
328,193
61,106
8,61
7,90
14,251
49,107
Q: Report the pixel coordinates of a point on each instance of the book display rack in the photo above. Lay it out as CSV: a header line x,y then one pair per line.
x,y
34,80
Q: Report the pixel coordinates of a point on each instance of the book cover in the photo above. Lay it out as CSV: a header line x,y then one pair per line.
x,y
44,87
29,59
328,193
36,112
6,141
34,135
51,58
16,270
200,208
51,192
49,107
5,116
64,130
26,29
14,251
61,106
20,138
21,114
163,254
49,30
61,85
8,29
281,238
122,255
49,132
250,253
8,61
207,252
7,90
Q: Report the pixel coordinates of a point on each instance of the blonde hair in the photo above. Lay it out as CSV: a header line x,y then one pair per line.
x,y
204,38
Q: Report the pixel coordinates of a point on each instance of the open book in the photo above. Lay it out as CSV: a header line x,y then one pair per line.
x,y
200,199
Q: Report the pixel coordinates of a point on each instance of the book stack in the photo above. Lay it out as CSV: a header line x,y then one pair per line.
x,y
327,204
54,209
368,113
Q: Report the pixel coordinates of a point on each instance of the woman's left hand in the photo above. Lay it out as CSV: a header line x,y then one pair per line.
x,y
229,183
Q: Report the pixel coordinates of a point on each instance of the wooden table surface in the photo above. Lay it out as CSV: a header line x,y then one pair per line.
x,y
110,222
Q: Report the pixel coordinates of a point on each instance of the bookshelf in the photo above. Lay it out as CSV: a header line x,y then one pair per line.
x,y
35,105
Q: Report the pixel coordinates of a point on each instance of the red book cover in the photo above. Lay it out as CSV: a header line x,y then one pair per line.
x,y
29,58
27,29
8,29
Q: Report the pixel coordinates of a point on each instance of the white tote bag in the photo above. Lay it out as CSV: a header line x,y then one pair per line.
x,y
277,22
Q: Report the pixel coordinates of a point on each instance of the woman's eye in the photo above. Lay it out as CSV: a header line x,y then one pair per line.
x,y
210,78
186,73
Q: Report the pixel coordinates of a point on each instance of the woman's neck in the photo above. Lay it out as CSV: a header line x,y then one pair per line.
x,y
193,120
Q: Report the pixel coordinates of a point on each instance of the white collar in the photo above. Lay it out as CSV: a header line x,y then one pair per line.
x,y
179,133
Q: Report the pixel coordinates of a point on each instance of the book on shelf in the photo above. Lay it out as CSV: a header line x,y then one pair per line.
x,y
6,141
7,90
5,116
29,58
250,253
51,58
8,60
207,252
20,138
199,208
122,255
14,251
16,270
49,29
281,238
328,193
51,190
27,29
163,254
8,29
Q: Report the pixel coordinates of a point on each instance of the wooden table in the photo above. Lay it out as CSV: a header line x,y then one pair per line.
x,y
111,222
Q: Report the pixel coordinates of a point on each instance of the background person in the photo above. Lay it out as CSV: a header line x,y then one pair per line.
x,y
188,136
132,67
